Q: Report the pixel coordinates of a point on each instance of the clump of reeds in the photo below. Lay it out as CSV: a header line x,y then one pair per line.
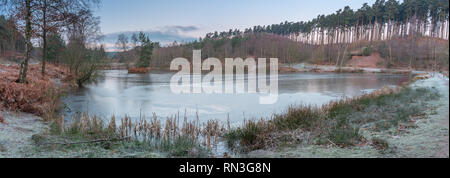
x,y
211,132
88,126
151,131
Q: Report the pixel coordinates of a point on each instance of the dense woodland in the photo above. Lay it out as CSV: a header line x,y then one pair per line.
x,y
413,34
383,20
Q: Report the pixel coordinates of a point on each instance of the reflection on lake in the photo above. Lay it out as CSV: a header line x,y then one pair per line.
x,y
121,94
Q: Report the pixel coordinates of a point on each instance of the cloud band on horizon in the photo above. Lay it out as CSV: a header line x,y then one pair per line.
x,y
164,35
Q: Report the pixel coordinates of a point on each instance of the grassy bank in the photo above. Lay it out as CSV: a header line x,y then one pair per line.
x,y
338,124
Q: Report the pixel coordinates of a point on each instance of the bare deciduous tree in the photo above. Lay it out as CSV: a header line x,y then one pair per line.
x,y
122,42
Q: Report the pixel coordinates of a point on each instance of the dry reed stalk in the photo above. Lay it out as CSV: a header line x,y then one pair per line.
x,y
112,124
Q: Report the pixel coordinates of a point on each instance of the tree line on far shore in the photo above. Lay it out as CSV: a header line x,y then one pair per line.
x,y
412,33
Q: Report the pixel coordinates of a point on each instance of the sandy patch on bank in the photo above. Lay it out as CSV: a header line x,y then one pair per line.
x,y
372,61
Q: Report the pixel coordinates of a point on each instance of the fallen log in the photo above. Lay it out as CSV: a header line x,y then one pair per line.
x,y
85,142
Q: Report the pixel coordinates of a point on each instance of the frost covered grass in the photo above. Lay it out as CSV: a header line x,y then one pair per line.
x,y
338,124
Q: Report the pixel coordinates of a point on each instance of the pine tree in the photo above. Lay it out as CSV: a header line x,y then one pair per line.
x,y
146,50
